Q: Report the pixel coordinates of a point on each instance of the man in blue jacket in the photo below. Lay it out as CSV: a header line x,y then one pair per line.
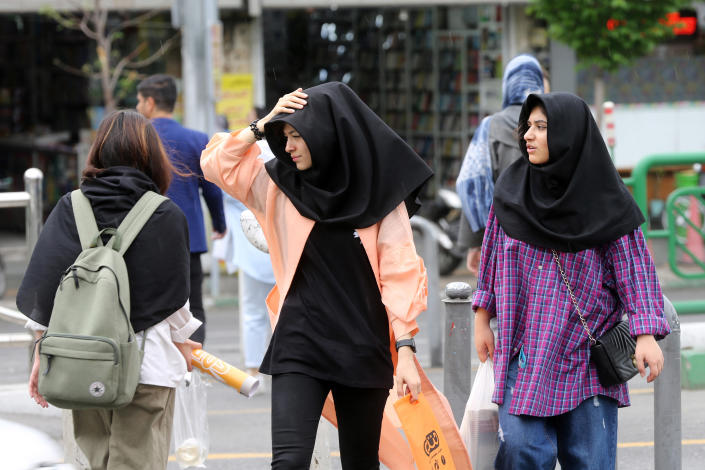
x,y
156,96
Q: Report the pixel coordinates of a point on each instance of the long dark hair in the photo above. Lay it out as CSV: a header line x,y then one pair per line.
x,y
126,138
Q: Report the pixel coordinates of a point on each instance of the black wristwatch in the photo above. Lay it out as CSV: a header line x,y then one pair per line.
x,y
259,135
407,342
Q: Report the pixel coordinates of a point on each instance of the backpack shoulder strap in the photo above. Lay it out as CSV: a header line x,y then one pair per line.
x,y
85,220
137,217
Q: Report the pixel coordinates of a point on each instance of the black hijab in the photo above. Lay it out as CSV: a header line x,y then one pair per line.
x,y
361,168
576,200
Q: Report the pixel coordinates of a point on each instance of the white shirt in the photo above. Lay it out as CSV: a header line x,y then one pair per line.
x,y
163,364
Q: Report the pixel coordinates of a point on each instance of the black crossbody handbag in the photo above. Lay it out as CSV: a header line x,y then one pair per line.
x,y
613,352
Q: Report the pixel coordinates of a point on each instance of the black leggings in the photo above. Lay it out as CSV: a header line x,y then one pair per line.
x,y
297,402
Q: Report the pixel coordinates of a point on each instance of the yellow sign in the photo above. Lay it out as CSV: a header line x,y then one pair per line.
x,y
236,99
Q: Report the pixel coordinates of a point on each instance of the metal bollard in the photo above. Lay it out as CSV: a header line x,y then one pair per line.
x,y
667,398
33,221
457,373
429,250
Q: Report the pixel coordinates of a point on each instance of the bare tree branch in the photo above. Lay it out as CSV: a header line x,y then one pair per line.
x,y
92,21
101,15
75,71
137,20
159,53
83,26
66,20
117,70
122,92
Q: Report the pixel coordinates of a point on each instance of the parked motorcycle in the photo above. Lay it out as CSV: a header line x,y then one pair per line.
x,y
445,212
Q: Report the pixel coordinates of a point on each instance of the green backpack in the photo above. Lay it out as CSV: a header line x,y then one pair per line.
x,y
89,357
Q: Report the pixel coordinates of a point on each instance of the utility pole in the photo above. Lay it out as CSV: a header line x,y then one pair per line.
x,y
195,18
257,40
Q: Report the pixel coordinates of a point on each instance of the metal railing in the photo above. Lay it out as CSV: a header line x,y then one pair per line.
x,y
678,242
457,379
31,200
640,174
14,339
638,183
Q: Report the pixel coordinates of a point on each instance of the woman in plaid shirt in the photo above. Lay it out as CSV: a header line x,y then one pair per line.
x,y
564,197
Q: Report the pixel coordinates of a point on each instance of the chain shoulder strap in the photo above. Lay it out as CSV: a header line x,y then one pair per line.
x,y
572,297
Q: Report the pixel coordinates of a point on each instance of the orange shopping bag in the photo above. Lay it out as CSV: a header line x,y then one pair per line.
x,y
426,439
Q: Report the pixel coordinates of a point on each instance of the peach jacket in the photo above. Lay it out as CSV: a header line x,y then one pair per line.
x,y
231,162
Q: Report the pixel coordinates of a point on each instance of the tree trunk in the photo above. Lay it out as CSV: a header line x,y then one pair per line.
x,y
599,95
108,99
104,51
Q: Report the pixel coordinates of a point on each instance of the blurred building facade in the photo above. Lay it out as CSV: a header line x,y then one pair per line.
x,y
48,109
431,70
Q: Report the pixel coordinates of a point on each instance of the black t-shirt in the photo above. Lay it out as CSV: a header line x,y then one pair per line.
x,y
333,324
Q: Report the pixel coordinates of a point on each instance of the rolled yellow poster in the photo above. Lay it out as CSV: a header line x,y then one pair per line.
x,y
224,372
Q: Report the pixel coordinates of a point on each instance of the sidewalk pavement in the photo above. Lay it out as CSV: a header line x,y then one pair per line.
x,y
240,434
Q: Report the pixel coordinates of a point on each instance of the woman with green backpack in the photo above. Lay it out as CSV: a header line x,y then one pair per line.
x,y
126,164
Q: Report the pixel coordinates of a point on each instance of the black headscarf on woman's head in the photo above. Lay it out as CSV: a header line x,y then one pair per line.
x,y
361,168
576,200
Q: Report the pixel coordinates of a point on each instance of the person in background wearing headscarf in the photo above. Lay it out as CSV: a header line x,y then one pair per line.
x,y
334,206
562,207
492,149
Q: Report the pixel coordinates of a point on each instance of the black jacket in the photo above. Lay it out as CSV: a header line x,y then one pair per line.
x,y
157,261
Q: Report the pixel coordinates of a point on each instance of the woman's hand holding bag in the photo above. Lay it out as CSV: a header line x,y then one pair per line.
x,y
406,373
484,336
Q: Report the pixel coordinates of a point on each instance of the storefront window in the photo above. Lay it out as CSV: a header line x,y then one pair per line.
x,y
430,73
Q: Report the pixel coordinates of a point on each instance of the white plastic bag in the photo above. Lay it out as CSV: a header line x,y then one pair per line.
x,y
481,420
191,422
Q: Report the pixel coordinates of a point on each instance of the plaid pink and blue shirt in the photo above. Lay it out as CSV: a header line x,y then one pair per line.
x,y
522,286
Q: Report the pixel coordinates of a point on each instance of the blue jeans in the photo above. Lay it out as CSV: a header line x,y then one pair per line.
x,y
584,438
254,318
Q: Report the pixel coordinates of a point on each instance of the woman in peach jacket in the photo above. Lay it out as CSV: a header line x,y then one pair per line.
x,y
334,206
